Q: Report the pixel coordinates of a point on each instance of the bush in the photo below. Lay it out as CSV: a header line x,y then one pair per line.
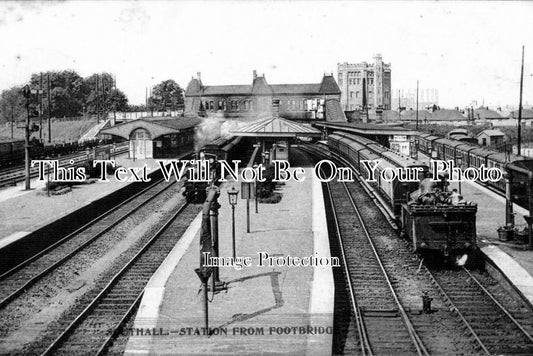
x,y
266,188
272,199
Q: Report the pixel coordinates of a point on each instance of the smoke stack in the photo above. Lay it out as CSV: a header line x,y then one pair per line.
x,y
275,108
255,74
199,75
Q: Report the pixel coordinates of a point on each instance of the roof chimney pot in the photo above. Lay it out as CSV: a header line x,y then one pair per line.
x,y
199,75
255,74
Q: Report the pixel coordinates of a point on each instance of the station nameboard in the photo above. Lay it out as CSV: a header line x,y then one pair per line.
x,y
247,190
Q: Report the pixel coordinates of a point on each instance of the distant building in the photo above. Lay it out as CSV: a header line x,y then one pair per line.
x,y
491,137
427,97
377,77
300,102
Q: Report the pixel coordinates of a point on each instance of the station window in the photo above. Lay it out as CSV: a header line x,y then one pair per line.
x,y
140,134
351,94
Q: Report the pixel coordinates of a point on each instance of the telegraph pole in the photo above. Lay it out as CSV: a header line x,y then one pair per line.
x,y
12,120
41,108
519,144
97,100
26,92
417,105
48,111
399,108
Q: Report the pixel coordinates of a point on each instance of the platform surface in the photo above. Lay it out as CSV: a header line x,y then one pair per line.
x,y
266,310
22,211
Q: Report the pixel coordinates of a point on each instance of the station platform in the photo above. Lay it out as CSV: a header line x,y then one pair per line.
x,y
510,258
265,310
24,211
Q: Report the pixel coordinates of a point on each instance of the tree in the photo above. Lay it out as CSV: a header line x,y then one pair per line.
x,y
67,92
166,95
116,100
98,89
12,105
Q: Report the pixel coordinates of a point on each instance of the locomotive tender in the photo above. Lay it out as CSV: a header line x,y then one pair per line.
x,y
444,228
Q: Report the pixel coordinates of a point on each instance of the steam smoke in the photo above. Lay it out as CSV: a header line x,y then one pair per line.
x,y
212,128
207,131
461,260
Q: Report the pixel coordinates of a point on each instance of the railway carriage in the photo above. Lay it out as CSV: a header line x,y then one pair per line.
x,y
474,156
357,149
442,228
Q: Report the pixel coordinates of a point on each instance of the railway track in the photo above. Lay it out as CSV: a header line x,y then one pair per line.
x,y
98,319
20,278
499,323
13,175
493,321
382,322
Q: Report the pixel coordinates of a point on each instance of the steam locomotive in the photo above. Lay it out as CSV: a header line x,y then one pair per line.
x,y
435,227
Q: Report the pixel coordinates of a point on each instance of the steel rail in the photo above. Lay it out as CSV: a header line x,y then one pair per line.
x,y
71,254
6,274
420,348
461,316
120,325
15,174
363,335
77,231
70,328
502,308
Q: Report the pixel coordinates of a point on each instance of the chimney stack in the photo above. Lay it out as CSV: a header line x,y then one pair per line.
x,y
255,74
199,75
275,108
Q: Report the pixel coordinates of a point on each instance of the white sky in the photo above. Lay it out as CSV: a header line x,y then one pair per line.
x,y
468,50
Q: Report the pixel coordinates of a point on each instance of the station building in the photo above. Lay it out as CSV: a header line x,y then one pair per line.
x,y
297,102
376,78
156,137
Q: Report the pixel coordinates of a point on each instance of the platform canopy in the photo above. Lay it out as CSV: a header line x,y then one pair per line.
x,y
367,129
276,127
156,126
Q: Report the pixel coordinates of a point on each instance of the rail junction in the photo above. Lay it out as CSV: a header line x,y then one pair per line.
x,y
109,285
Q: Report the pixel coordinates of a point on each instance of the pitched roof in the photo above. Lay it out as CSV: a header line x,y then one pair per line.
x,y
328,85
276,127
261,86
194,86
295,88
483,113
227,89
492,132
448,115
156,126
526,113
334,111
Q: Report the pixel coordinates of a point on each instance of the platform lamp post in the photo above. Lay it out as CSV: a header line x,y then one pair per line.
x,y
204,274
232,196
459,161
255,187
